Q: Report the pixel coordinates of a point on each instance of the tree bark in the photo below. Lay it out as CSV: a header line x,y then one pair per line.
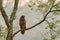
x,y
9,22
10,29
10,33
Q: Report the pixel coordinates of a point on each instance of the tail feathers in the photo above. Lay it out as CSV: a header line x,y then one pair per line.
x,y
22,32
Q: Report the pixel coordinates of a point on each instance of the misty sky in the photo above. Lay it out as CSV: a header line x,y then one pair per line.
x,y
32,18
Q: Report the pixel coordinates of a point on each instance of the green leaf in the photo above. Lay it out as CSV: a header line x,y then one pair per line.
x,y
52,25
57,3
59,31
30,0
30,5
46,27
57,6
31,8
46,9
53,37
55,13
51,2
45,39
57,21
39,7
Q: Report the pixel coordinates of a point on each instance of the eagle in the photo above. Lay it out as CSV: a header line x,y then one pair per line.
x,y
22,24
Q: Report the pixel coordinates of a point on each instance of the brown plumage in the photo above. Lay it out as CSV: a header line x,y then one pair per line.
x,y
22,23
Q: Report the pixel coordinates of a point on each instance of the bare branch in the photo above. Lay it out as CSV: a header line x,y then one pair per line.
x,y
14,11
4,14
47,22
37,23
34,25
55,10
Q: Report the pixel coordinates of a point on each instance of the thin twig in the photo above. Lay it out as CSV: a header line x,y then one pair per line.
x,y
52,29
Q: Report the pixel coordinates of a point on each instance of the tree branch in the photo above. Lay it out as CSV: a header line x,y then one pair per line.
x,y
47,22
55,10
14,11
37,23
4,14
52,29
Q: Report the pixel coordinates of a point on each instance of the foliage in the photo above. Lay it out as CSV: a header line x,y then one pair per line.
x,y
53,37
47,8
45,39
57,6
55,13
3,32
57,21
58,31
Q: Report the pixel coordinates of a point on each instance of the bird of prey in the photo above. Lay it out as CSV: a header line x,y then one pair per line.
x,y
22,24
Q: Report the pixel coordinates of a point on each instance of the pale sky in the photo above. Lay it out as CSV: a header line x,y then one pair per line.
x,y
21,2
32,18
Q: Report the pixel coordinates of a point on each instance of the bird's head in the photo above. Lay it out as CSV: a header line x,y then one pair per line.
x,y
22,16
